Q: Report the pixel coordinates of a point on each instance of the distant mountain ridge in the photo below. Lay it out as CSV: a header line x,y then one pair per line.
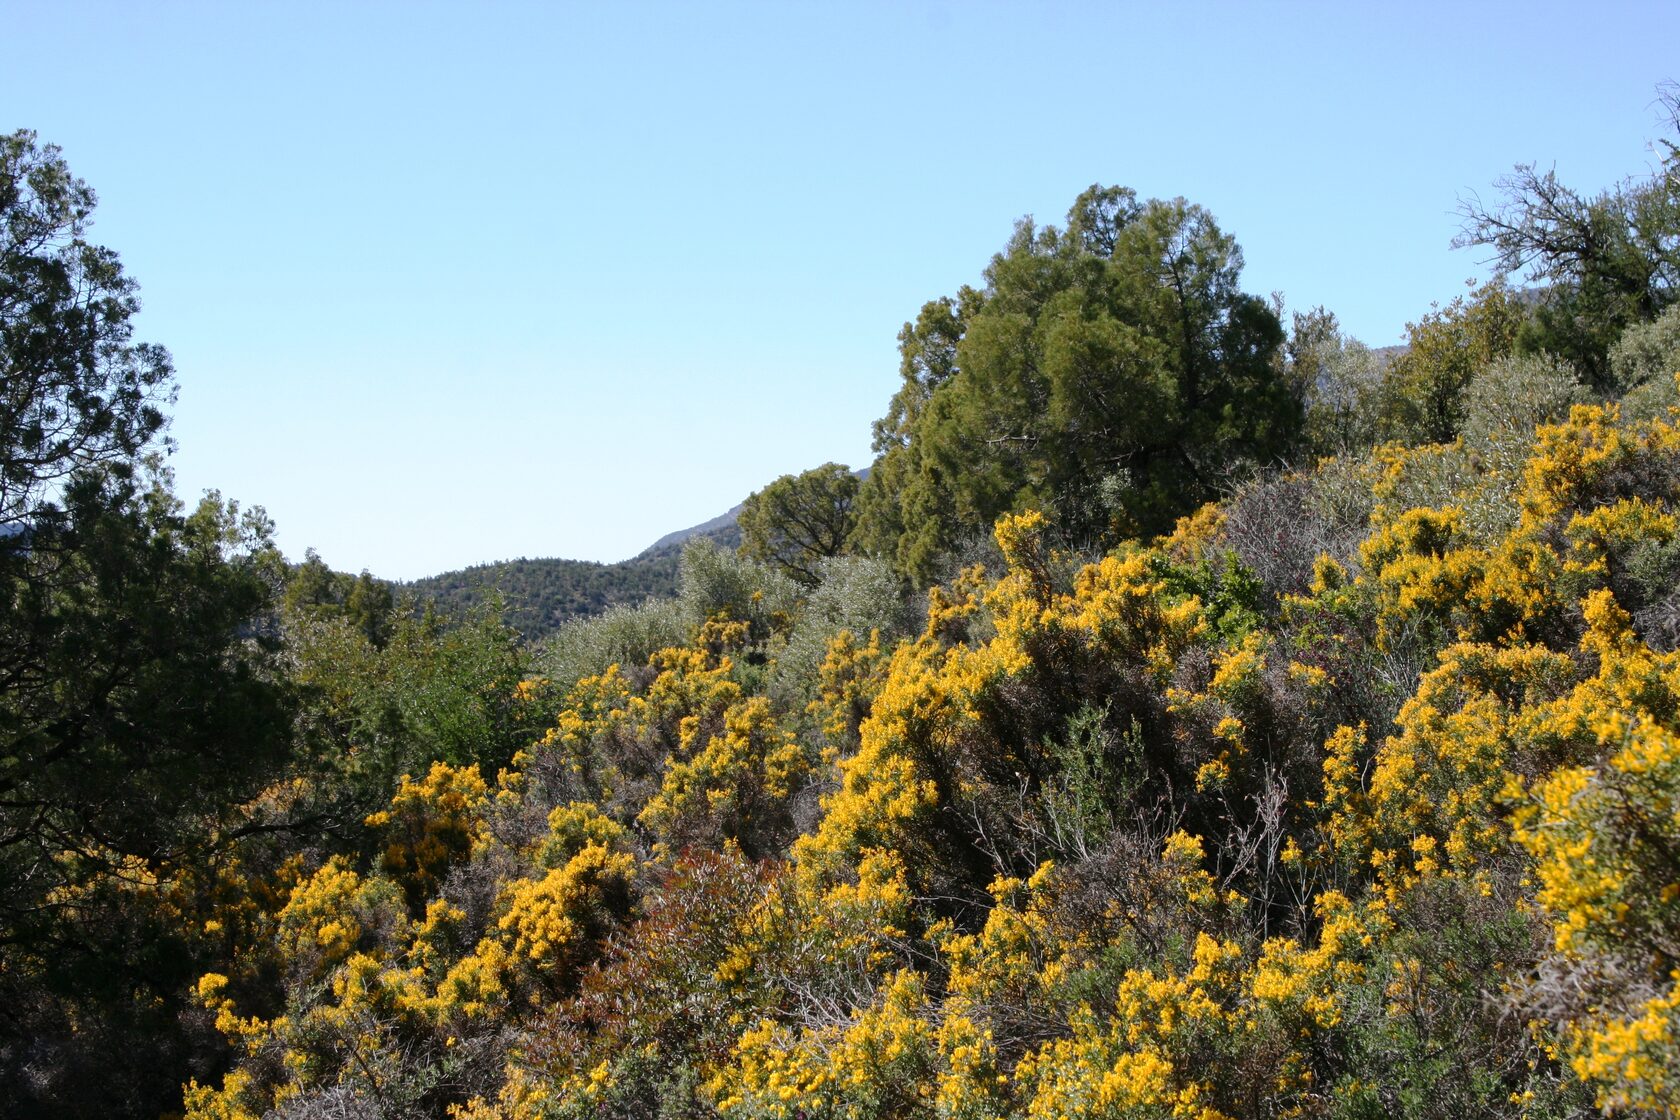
x,y
541,595
718,528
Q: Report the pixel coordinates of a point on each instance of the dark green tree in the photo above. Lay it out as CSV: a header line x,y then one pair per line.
x,y
368,603
75,389
139,705
927,360
433,689
140,697
799,520
1606,261
1423,388
1113,373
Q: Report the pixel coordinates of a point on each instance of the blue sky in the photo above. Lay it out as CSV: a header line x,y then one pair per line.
x,y
450,283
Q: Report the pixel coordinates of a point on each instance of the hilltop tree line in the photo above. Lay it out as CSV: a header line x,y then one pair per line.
x,y
1191,714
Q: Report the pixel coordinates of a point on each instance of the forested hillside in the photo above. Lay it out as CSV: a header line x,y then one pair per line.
x,y
540,596
1193,714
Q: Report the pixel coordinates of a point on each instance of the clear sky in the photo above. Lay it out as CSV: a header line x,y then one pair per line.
x,y
450,283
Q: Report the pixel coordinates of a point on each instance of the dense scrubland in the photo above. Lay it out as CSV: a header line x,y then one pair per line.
x,y
1189,715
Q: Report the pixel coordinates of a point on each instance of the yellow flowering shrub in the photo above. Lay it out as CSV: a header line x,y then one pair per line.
x,y
883,792
998,972
334,913
1303,987
548,925
589,707
880,1062
850,677
1602,534
736,787
1421,567
1150,1056
954,722
1603,836
572,828
1194,535
431,824
1431,800
1578,464
840,936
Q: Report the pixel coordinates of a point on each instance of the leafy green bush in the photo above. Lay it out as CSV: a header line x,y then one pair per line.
x,y
585,647
856,593
1645,363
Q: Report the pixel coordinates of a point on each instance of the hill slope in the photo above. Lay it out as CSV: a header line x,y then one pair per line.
x,y
542,594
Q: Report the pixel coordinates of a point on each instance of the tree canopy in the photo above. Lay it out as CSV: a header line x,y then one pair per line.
x,y
1607,261
1112,371
801,519
75,389
140,694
